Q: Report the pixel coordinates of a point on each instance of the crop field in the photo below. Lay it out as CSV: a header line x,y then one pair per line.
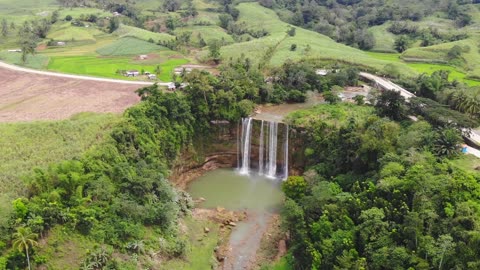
x,y
130,31
38,61
129,46
28,97
429,68
67,32
37,144
108,67
208,33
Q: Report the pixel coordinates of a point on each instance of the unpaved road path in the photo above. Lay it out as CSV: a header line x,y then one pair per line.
x,y
70,76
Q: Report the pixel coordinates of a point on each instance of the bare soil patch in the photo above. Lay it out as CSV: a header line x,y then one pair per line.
x,y
28,97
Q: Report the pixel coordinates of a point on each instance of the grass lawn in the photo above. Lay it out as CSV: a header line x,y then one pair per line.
x,y
129,46
200,254
467,162
280,265
107,67
338,114
28,145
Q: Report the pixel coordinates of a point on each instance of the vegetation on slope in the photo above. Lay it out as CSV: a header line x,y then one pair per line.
x,y
380,195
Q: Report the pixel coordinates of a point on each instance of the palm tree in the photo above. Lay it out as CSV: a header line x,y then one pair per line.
x,y
466,101
23,240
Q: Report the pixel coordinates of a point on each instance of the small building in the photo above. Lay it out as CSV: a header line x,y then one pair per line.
x,y
15,50
61,43
132,73
171,86
142,57
152,76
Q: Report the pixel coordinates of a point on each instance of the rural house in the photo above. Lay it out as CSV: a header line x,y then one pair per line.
x,y
132,73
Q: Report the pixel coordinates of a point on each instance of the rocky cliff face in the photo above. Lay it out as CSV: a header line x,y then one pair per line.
x,y
217,150
220,150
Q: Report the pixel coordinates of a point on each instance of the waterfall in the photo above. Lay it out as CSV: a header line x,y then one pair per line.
x,y
260,151
272,150
246,145
268,148
285,153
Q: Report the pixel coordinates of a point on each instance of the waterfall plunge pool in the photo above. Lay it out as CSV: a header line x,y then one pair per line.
x,y
260,196
229,189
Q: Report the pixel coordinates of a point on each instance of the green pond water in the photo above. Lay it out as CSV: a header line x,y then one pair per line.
x,y
228,189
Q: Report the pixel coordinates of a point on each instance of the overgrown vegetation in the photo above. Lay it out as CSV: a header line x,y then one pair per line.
x,y
380,195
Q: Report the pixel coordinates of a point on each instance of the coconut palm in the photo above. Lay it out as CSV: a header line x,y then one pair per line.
x,y
23,240
466,101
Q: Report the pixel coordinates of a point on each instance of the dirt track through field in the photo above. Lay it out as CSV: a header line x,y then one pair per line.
x,y
30,96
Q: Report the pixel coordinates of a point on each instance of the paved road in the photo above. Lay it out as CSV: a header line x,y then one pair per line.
x,y
387,85
88,78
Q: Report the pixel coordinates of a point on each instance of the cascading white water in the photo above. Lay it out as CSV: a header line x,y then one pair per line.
x,y
246,145
285,153
260,151
271,170
267,149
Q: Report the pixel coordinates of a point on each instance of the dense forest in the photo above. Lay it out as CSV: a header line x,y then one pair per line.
x,y
381,194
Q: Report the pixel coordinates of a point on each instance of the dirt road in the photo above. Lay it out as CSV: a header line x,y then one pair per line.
x,y
70,76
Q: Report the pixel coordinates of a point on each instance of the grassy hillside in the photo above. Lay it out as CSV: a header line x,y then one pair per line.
x,y
437,53
27,145
67,32
207,32
258,17
130,31
429,68
384,40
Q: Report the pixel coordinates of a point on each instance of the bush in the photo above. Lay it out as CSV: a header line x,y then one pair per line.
x,y
68,18
296,96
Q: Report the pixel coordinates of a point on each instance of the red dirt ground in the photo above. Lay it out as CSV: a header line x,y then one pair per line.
x,y
28,97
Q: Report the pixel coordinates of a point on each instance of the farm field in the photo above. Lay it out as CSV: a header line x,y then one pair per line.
x,y
28,97
429,68
67,32
108,67
130,31
129,46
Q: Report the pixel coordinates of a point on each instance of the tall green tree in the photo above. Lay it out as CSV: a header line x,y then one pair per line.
x,y
4,27
23,240
391,104
27,45
214,50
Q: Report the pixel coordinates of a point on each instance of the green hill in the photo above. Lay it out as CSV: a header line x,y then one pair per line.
x,y
322,47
